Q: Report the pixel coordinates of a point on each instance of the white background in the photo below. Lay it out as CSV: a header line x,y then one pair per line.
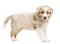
x,y
9,7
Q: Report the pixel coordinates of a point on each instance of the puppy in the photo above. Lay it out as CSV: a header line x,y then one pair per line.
x,y
31,21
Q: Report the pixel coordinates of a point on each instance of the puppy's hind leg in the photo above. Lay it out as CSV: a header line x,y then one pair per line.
x,y
14,33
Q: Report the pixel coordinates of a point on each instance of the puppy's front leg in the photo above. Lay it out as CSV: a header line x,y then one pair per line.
x,y
42,34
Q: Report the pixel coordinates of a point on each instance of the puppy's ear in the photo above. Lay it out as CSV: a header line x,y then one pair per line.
x,y
51,10
38,9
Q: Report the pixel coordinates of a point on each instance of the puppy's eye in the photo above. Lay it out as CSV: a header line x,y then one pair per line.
x,y
42,12
48,12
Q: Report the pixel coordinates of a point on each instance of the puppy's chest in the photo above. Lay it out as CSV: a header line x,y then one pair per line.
x,y
39,25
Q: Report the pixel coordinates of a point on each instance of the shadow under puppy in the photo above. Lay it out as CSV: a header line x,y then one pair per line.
x,y
31,21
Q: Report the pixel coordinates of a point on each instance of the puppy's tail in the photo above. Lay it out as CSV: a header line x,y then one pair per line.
x,y
7,19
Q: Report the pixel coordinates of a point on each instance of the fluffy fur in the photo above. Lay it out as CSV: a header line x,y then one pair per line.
x,y
31,21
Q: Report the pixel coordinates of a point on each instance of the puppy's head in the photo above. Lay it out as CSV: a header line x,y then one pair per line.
x,y
44,12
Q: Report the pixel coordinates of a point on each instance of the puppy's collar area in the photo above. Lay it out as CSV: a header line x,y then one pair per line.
x,y
35,19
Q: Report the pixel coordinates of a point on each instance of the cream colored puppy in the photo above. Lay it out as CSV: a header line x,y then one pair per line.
x,y
31,21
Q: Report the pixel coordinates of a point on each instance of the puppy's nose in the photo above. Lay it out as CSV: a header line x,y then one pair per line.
x,y
44,17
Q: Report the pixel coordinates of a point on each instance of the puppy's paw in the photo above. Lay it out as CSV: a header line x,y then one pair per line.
x,y
46,41
13,39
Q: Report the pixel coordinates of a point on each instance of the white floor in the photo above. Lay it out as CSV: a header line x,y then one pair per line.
x,y
9,7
